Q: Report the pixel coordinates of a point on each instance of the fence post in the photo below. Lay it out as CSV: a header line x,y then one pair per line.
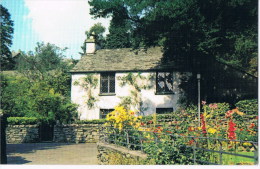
x,y
220,154
3,159
140,139
256,156
194,151
127,139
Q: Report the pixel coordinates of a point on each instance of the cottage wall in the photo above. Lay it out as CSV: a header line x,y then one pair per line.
x,y
150,99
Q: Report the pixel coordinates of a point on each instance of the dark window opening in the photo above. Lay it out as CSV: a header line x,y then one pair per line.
x,y
104,112
164,110
164,82
107,83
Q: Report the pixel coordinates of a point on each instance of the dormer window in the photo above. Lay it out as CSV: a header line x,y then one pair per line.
x,y
107,83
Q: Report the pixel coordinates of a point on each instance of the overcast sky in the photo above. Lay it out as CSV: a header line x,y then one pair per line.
x,y
60,22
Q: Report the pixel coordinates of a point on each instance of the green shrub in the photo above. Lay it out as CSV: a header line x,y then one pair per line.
x,y
249,107
22,120
96,121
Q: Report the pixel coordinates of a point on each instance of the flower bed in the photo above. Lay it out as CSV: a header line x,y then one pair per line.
x,y
173,141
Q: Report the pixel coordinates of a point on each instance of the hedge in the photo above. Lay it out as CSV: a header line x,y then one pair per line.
x,y
250,107
22,120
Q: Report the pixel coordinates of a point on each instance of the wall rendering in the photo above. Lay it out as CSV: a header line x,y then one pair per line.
x,y
150,100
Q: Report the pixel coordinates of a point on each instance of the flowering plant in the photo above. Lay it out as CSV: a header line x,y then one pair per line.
x,y
121,118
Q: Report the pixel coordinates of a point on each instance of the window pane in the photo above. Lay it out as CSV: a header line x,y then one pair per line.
x,y
112,86
104,112
164,82
104,86
164,110
107,83
169,82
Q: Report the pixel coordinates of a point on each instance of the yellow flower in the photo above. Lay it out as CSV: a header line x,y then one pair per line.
x,y
212,130
199,128
247,144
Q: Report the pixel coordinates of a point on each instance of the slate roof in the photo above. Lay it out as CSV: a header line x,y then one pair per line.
x,y
125,59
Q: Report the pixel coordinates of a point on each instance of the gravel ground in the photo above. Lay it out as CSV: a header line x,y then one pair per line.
x,y
52,153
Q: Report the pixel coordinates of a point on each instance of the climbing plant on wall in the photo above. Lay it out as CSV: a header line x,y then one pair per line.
x,y
89,82
136,83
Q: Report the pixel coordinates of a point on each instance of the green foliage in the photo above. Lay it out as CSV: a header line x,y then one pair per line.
x,y
115,158
249,107
96,121
137,82
119,36
20,97
169,152
6,34
22,120
89,82
191,31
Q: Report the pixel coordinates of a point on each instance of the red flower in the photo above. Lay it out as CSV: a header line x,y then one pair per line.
x,y
150,122
191,142
229,113
231,130
191,128
168,131
203,127
241,129
142,124
252,125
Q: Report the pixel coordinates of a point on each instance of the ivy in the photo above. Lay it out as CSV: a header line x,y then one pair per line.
x,y
137,82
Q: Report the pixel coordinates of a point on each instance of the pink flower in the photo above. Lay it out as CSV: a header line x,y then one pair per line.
x,y
213,106
203,102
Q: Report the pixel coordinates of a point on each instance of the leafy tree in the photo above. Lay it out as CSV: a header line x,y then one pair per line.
x,y
6,35
190,31
193,34
98,29
47,64
22,98
41,86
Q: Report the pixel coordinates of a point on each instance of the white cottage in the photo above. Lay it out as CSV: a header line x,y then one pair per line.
x,y
139,79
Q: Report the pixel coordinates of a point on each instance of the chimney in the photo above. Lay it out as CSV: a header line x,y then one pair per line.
x,y
91,45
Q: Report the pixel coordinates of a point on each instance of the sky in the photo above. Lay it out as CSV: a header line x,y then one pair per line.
x,y
59,22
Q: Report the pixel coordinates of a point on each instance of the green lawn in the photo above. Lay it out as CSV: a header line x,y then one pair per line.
x,y
233,160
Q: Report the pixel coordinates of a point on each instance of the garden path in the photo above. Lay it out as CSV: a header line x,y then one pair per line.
x,y
52,153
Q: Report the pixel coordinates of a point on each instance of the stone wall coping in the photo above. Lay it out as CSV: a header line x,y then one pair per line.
x,y
123,150
20,126
77,125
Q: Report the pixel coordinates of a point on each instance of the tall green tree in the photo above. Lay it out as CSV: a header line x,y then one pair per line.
x,y
193,33
119,31
6,35
41,86
47,63
191,30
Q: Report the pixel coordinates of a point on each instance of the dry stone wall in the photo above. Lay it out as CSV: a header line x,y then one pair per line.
x,y
106,150
22,133
76,133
